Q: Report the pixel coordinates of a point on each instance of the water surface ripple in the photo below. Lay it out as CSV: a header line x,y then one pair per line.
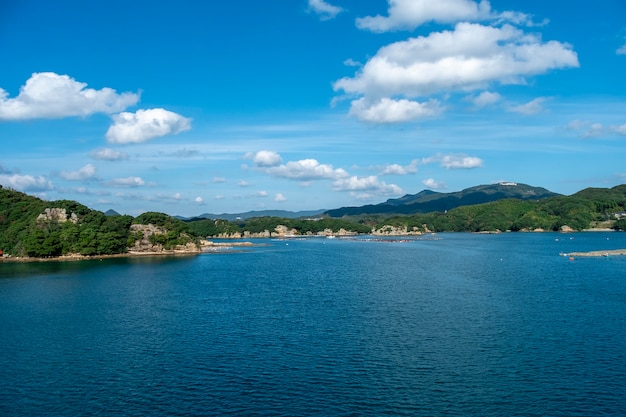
x,y
457,324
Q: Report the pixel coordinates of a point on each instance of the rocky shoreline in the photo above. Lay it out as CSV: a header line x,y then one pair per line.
x,y
204,247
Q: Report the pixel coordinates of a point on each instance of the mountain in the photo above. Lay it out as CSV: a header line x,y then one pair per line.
x,y
431,201
261,213
111,212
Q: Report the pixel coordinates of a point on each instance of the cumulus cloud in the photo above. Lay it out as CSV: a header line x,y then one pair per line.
x,y
409,14
198,200
621,50
279,198
108,154
387,110
368,184
145,125
265,158
396,169
51,96
85,173
306,170
455,161
26,182
532,107
325,10
128,182
469,57
243,184
434,185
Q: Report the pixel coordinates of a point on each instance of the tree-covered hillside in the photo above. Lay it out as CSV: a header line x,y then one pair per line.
x,y
32,227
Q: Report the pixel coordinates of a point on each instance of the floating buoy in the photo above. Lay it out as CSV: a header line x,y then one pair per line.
x,y
571,258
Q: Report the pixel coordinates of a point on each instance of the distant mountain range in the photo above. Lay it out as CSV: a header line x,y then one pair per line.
x,y
425,201
261,213
430,201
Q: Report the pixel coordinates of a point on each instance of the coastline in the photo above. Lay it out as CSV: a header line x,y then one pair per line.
x,y
207,247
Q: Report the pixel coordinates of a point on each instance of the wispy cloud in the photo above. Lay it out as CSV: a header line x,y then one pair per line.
x,y
47,95
323,9
127,182
532,107
484,99
108,154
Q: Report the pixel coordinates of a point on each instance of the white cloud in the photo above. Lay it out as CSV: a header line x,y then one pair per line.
x,y
409,14
621,50
261,194
198,200
145,125
50,96
325,10
595,130
265,158
306,170
218,180
486,98
621,130
387,110
532,107
243,184
469,57
432,184
128,182
352,63
108,154
84,173
371,184
279,198
396,169
455,161
25,182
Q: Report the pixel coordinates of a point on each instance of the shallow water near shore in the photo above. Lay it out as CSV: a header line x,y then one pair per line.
x,y
450,324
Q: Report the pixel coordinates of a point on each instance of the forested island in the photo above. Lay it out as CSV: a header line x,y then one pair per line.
x,y
31,227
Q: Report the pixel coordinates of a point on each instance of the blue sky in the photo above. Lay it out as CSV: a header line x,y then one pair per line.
x,y
196,107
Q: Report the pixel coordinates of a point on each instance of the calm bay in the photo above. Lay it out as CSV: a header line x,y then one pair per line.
x,y
448,324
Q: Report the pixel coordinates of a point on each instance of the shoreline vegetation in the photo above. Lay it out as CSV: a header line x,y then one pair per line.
x,y
34,229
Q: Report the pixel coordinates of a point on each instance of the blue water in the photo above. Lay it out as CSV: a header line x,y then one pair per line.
x,y
456,324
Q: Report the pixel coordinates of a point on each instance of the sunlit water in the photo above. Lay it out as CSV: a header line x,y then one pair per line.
x,y
454,324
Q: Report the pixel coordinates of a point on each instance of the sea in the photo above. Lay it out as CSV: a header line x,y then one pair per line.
x,y
451,324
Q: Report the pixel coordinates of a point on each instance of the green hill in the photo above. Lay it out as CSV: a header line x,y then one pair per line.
x,y
430,201
31,227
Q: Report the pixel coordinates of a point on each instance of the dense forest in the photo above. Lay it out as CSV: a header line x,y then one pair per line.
x,y
28,227
32,227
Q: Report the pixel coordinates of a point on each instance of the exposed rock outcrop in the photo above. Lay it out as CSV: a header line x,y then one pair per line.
x,y
57,215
